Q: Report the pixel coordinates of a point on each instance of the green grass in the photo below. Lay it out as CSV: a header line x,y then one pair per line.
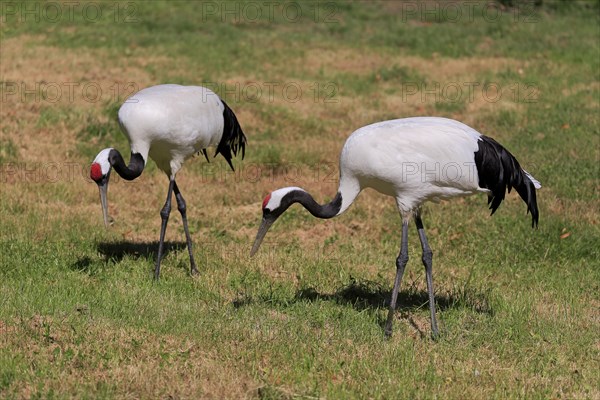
x,y
81,317
8,151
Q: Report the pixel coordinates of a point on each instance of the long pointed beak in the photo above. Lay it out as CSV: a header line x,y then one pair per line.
x,y
260,235
103,188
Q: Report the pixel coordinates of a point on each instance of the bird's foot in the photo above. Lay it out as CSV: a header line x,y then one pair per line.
x,y
388,328
387,333
194,271
157,271
435,334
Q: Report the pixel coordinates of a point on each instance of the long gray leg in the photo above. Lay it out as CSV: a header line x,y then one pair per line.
x,y
182,209
427,262
164,215
400,264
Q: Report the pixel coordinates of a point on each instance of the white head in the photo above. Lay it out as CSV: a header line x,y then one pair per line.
x,y
100,166
274,204
273,200
100,173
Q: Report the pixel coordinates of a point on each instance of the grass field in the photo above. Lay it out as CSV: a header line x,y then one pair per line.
x,y
81,317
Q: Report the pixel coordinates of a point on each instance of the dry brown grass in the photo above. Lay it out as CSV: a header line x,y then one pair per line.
x,y
32,65
136,363
442,71
366,62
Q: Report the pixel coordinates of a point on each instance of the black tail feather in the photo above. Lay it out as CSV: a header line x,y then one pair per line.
x,y
500,171
233,139
203,151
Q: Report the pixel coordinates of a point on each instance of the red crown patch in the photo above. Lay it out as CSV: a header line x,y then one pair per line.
x,y
96,172
266,200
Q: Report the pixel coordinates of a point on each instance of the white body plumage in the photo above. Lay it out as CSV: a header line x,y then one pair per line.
x,y
170,123
411,159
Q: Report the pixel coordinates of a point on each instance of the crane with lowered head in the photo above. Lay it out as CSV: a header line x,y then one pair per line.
x,y
169,123
414,160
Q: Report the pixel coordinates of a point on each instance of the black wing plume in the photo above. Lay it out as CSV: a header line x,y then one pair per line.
x,y
500,171
203,151
233,139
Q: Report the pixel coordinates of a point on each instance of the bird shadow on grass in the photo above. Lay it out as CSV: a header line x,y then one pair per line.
x,y
114,252
368,295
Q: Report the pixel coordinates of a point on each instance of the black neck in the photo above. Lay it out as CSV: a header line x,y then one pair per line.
x,y
128,172
328,210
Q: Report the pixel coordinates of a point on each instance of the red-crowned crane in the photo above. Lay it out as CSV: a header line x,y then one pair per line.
x,y
413,160
169,123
